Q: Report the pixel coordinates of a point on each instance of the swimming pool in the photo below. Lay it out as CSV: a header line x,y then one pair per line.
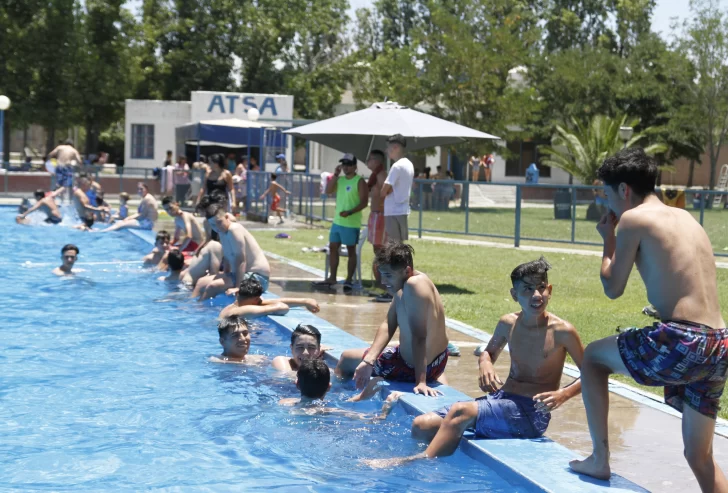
x,y
105,386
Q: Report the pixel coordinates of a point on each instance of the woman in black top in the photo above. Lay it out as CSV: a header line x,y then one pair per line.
x,y
218,178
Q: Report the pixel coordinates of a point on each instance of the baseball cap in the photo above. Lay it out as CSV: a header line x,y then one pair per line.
x,y
348,158
281,156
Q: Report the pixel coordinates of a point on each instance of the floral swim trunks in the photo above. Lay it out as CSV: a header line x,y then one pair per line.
x,y
689,359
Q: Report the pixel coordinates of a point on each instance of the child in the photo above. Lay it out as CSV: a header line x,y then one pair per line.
x,y
305,345
123,209
157,256
176,262
521,408
235,342
273,191
248,302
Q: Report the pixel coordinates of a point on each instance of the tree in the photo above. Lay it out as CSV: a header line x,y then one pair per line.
x,y
705,43
155,17
581,149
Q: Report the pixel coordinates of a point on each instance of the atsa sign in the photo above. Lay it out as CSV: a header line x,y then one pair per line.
x,y
208,105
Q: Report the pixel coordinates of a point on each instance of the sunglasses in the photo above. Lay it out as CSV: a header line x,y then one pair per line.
x,y
69,257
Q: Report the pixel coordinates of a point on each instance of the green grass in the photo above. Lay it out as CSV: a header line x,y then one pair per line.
x,y
474,282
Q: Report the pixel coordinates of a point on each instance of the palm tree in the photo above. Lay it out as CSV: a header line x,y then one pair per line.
x,y
581,150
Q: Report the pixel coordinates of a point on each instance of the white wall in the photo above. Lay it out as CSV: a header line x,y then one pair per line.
x,y
166,116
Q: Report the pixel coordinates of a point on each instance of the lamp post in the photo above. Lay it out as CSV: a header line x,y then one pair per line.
x,y
4,104
625,133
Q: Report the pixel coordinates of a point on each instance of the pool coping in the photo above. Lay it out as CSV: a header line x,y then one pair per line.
x,y
539,464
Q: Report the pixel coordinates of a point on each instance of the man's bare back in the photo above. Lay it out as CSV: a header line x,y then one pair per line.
x,y
255,260
197,231
65,154
207,261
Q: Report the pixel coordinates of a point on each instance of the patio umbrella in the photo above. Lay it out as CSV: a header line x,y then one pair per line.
x,y
360,131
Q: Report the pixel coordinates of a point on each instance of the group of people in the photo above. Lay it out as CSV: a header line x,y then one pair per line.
x,y
484,163
686,351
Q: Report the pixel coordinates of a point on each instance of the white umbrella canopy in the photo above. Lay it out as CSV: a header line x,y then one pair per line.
x,y
359,131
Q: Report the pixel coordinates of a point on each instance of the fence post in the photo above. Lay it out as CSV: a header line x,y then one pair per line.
x,y
121,178
145,174
6,177
419,229
573,214
467,207
517,232
702,207
300,194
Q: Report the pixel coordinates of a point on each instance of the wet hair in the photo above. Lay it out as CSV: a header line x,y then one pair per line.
x,y
162,235
536,269
314,378
167,200
378,155
39,194
69,142
213,210
176,260
632,167
89,219
397,139
69,247
216,197
250,288
396,255
308,330
273,176
228,324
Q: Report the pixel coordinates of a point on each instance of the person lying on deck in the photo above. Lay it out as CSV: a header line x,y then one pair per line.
x,y
248,302
521,408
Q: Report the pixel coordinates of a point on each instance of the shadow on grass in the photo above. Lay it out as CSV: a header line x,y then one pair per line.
x,y
452,289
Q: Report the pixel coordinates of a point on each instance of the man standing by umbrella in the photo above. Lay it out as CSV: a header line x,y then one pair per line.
x,y
352,196
396,189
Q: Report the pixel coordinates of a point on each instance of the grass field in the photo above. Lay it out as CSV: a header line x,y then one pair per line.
x,y
474,282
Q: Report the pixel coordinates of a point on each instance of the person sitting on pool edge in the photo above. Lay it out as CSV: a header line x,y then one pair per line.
x,y
161,247
305,345
176,263
87,222
417,310
521,408
235,341
249,304
188,234
69,255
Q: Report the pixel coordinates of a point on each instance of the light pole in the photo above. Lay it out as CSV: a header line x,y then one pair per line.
x,y
4,104
625,133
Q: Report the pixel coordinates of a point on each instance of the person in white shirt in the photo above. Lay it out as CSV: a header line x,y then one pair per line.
x,y
396,190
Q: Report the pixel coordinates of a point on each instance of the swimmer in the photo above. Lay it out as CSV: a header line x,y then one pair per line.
x,y
521,408
248,302
176,262
157,256
87,222
687,350
273,190
69,255
46,204
305,345
188,234
417,310
235,341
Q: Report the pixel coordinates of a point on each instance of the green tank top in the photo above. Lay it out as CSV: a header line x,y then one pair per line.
x,y
347,197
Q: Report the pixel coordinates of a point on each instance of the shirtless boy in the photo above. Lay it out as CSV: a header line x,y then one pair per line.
x,y
176,262
69,255
249,303
417,310
305,345
243,257
81,201
146,214
521,408
66,157
273,190
376,233
47,205
687,351
188,234
161,247
235,342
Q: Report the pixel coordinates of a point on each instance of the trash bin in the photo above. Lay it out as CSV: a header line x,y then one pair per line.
x,y
562,204
673,196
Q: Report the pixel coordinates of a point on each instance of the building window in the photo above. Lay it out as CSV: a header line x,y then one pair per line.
x,y
523,154
142,141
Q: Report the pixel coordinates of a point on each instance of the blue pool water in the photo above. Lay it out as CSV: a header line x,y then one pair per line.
x,y
105,386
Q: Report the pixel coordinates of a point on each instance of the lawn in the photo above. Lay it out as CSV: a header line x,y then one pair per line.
x,y
474,282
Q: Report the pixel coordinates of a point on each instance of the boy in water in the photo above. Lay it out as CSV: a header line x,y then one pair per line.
x,y
161,247
305,345
248,302
521,408
417,311
176,262
687,351
273,190
46,204
235,342
69,255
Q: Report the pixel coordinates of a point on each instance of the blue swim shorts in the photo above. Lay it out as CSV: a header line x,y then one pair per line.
x,y
145,224
345,236
505,415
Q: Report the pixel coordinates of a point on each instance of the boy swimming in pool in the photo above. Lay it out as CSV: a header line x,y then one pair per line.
x,y
521,408
176,262
159,252
235,341
69,255
248,302
305,345
687,351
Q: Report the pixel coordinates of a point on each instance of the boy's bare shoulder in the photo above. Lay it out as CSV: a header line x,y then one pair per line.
x,y
508,318
561,326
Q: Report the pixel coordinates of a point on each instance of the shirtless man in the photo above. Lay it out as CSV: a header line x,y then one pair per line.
x,y
185,226
144,218
521,408
69,255
160,250
249,303
242,257
376,233
235,342
66,157
687,351
418,312
81,201
47,204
